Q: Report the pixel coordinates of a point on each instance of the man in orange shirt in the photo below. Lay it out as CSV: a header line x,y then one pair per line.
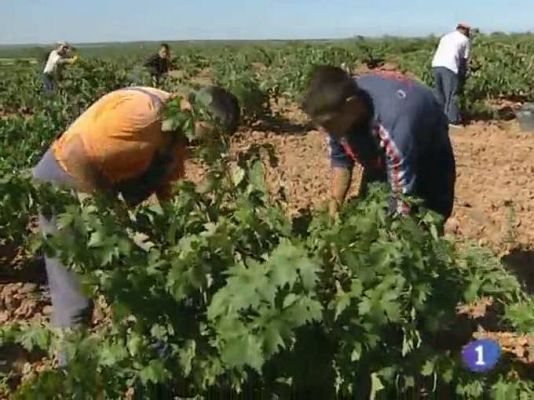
x,y
117,146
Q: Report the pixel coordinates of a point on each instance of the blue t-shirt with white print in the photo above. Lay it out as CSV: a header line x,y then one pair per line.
x,y
406,142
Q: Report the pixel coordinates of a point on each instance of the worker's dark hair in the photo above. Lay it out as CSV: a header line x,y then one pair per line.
x,y
224,107
328,89
165,46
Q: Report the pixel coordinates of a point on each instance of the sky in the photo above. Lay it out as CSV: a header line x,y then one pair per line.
x,y
77,21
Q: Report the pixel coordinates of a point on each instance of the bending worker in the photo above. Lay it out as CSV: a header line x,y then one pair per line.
x,y
390,124
117,146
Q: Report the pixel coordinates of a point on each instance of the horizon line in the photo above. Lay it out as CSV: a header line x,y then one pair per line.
x,y
385,35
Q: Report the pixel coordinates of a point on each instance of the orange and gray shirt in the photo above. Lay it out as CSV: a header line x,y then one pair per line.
x,y
120,133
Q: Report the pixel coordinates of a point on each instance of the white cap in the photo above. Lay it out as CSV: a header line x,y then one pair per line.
x,y
463,25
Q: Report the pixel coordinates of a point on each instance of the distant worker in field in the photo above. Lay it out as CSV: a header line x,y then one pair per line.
x,y
159,64
390,124
449,66
120,145
57,57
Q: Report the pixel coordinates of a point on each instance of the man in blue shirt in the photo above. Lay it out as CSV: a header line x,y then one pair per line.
x,y
390,124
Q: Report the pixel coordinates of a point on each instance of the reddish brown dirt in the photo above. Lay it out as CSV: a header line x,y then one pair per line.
x,y
494,193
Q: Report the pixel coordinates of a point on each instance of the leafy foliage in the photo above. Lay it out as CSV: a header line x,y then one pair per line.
x,y
220,290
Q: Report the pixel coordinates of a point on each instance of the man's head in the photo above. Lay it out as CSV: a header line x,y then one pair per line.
x,y
334,101
221,104
464,28
164,50
62,48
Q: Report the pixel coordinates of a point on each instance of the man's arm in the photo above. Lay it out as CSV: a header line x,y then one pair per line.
x,y
164,192
139,188
175,170
70,60
169,66
467,50
151,61
464,61
341,180
342,166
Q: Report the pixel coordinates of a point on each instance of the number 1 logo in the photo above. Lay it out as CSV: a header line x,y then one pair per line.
x,y
481,355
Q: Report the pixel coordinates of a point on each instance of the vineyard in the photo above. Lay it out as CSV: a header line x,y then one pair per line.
x,y
242,286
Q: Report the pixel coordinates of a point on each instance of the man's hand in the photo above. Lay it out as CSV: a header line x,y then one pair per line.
x,y
153,199
341,179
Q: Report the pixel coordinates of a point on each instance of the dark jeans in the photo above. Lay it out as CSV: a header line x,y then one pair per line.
x,y
70,307
49,84
447,86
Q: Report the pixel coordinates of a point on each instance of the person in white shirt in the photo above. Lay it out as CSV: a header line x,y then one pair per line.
x,y
449,66
56,57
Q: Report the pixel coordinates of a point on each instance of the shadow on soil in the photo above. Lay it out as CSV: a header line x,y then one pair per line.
x,y
12,362
521,263
483,114
17,267
281,126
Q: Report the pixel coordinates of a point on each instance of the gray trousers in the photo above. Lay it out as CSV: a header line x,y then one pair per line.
x,y
69,306
49,84
447,85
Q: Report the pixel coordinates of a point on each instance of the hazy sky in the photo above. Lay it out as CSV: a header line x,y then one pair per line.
x,y
45,21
